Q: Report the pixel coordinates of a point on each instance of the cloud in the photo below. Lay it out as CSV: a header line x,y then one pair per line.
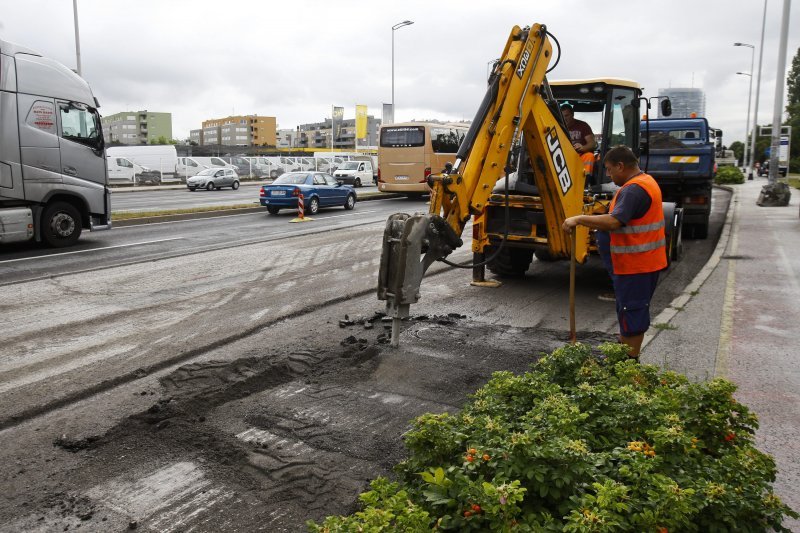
x,y
201,59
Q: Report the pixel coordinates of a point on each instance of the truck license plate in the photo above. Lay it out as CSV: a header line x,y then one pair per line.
x,y
278,193
401,178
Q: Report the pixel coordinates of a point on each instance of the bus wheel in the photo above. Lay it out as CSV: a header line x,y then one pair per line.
x,y
61,224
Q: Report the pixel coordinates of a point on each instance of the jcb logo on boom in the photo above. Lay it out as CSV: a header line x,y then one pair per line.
x,y
559,162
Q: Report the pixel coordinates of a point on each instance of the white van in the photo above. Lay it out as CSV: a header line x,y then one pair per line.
x,y
161,159
122,170
186,167
355,173
211,162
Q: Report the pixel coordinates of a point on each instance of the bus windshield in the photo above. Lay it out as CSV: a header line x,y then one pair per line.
x,y
403,137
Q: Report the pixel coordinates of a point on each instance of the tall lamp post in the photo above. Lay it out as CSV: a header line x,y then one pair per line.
x,y
745,161
77,35
758,90
396,27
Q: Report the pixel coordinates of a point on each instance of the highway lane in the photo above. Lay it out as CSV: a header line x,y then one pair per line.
x,y
155,199
149,242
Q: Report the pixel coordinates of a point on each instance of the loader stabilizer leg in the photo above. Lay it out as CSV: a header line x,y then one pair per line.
x,y
411,243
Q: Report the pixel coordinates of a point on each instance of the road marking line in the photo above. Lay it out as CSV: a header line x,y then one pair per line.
x,y
89,250
726,324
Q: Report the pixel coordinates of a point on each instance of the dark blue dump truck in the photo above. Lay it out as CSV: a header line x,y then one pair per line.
x,y
680,154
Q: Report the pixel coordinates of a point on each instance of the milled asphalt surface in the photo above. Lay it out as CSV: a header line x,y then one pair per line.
x,y
739,323
735,321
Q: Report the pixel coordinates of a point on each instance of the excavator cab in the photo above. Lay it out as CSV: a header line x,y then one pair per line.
x,y
611,108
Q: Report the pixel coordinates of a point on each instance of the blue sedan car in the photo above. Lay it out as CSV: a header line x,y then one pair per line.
x,y
318,190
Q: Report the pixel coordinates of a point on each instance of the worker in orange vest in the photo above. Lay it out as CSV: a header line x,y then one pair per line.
x,y
632,235
581,137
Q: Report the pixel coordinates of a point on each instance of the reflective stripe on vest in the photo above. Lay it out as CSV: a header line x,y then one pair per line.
x,y
636,248
640,229
640,246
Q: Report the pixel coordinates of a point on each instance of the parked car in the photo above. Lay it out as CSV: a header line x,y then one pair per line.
x,y
244,167
318,190
214,178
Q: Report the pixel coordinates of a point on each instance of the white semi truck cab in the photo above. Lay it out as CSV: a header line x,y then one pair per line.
x,y
53,175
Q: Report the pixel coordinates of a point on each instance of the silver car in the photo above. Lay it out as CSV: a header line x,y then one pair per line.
x,y
213,178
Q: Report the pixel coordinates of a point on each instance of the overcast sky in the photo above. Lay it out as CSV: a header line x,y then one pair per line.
x,y
293,60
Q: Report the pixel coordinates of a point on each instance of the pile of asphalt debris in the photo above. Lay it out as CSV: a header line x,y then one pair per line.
x,y
386,321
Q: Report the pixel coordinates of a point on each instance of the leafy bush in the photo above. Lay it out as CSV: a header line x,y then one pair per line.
x,y
729,175
580,443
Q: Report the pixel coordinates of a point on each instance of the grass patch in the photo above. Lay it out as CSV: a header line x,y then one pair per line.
x,y
126,215
695,293
794,182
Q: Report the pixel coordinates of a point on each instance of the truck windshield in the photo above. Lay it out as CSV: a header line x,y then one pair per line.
x,y
675,138
349,165
80,125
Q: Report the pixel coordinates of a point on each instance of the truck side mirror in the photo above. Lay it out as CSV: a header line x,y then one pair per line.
x,y
666,107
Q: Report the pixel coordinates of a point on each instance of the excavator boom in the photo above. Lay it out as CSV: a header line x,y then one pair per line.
x,y
517,105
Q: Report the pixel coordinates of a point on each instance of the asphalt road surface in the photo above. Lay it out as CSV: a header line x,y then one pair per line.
x,y
143,244
154,199
227,374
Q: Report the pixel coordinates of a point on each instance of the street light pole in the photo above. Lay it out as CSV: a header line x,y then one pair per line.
x,y
395,27
777,111
77,36
758,90
745,161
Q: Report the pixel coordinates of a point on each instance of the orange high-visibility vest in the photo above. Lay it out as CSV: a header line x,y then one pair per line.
x,y
588,162
640,246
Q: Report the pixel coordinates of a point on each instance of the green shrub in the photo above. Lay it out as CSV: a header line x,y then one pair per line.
x,y
729,175
580,443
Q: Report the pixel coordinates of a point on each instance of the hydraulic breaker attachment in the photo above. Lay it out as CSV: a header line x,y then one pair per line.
x,y
411,243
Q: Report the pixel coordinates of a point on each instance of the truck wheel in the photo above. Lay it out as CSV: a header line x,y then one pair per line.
x,y
357,182
61,224
674,236
511,262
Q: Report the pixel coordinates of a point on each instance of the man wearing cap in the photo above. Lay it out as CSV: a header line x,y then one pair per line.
x,y
636,243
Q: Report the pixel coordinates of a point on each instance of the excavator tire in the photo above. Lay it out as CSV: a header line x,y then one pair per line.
x,y
510,262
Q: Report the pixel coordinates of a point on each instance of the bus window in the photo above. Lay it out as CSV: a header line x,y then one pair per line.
x,y
406,137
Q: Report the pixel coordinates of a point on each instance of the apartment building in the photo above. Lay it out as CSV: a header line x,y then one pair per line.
x,y
320,134
136,127
240,130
